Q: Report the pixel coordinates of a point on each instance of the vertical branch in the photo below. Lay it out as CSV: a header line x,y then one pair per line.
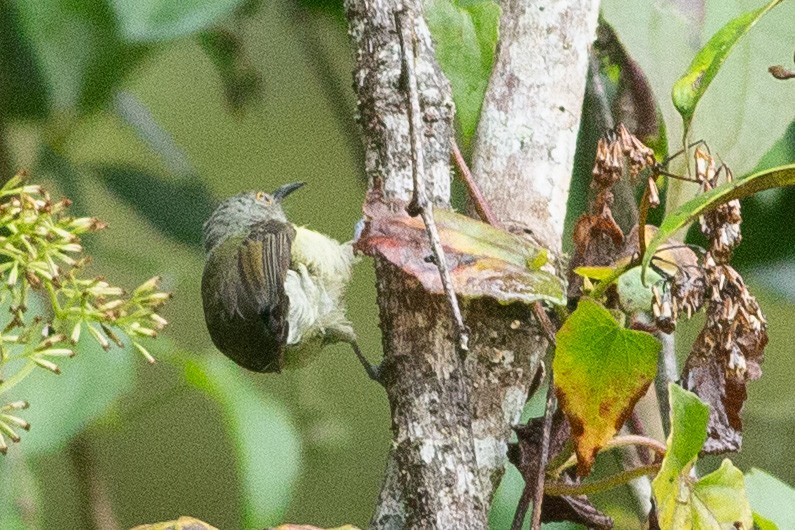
x,y
451,427
432,478
96,504
524,152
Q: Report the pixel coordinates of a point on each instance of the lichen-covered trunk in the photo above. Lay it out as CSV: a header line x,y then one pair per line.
x,y
524,151
451,415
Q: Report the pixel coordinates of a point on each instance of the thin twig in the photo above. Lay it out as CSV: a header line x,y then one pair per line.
x,y
521,507
623,440
538,494
538,500
559,489
481,206
419,202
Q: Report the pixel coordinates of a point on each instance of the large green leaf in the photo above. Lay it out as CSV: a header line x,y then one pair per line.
x,y
764,180
465,35
77,49
740,116
268,445
714,502
157,20
23,93
153,197
771,499
61,406
687,91
601,370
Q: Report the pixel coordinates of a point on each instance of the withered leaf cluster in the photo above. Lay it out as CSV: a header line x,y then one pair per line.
x,y
729,349
597,237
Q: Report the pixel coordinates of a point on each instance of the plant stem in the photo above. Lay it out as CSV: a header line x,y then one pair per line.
x,y
96,504
12,381
619,441
558,489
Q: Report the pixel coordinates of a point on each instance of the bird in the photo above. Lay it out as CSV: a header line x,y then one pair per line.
x,y
272,291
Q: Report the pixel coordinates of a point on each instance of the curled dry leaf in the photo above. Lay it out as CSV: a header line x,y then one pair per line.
x,y
484,261
635,104
726,355
526,454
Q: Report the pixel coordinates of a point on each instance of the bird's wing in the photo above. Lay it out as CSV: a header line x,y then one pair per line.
x,y
245,304
263,259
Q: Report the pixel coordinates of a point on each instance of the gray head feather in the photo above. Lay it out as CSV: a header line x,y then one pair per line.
x,y
237,214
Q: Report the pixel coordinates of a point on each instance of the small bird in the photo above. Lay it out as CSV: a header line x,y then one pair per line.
x,y
273,291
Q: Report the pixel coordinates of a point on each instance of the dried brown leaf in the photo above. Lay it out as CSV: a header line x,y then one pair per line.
x,y
526,454
726,355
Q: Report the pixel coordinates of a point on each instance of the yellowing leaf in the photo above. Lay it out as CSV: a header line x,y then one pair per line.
x,y
601,370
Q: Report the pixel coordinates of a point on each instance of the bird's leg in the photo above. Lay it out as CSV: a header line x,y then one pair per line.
x,y
373,370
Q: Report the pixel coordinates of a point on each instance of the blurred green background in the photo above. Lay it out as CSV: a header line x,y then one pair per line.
x,y
147,113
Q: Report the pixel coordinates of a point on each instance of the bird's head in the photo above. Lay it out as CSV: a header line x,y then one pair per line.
x,y
237,214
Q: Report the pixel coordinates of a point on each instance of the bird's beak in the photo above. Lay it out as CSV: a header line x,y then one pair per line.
x,y
286,190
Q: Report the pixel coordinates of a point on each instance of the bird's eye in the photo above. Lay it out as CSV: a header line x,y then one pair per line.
x,y
263,197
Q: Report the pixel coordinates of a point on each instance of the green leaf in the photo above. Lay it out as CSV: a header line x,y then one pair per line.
x,y
764,180
601,370
61,406
716,501
740,115
23,93
267,442
465,35
158,20
687,91
77,48
771,499
633,295
152,197
764,524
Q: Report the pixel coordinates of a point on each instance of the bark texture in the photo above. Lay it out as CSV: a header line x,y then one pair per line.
x,y
451,416
524,150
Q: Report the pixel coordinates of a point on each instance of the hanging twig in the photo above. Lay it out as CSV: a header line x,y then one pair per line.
x,y
481,206
419,204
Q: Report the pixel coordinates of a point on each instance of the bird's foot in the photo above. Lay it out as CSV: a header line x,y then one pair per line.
x,y
373,370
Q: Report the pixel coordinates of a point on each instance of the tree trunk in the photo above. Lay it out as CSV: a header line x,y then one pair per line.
x,y
451,417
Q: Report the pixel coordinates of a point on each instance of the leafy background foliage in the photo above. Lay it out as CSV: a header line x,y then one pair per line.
x,y
130,109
